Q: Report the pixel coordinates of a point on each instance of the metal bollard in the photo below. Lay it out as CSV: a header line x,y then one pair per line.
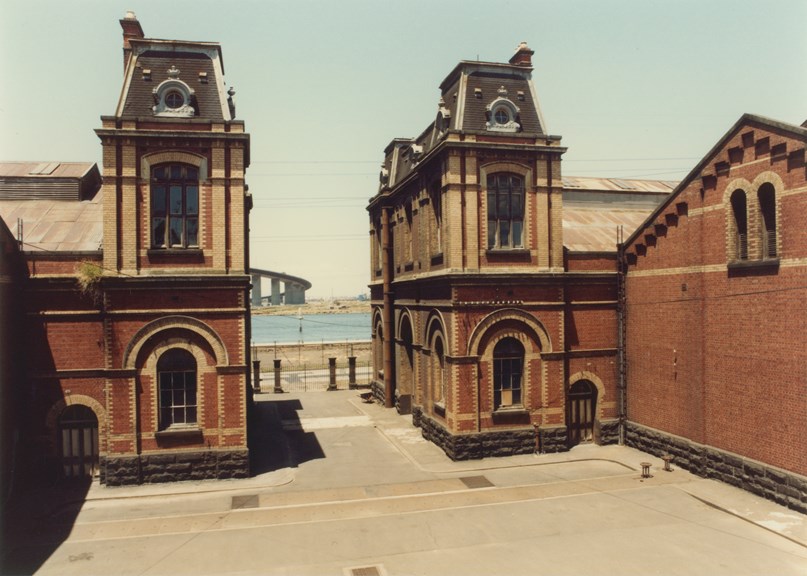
x,y
256,376
351,365
332,374
278,387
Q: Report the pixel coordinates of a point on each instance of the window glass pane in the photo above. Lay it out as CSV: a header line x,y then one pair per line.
x,y
191,200
503,206
158,231
491,233
192,231
179,397
175,232
178,415
190,415
516,229
192,173
159,173
158,200
165,398
176,199
165,417
491,205
176,172
516,204
504,233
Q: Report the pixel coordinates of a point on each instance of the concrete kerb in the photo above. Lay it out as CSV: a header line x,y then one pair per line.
x,y
430,459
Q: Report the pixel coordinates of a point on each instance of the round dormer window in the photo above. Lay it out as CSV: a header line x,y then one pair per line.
x,y
174,100
501,115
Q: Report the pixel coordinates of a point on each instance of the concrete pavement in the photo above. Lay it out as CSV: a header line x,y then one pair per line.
x,y
352,489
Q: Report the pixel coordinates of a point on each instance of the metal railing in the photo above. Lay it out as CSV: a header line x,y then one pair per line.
x,y
315,377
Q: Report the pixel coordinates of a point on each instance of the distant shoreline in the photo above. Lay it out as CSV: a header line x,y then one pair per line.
x,y
316,307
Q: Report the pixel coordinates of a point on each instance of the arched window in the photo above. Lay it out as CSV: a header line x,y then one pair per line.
x,y
176,374
435,230
438,372
740,213
505,211
508,364
175,206
767,214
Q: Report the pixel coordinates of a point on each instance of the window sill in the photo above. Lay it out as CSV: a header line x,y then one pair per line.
x,y
752,267
511,415
508,253
179,433
192,254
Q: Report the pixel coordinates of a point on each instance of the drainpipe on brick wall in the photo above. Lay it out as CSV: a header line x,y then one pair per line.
x,y
621,362
389,300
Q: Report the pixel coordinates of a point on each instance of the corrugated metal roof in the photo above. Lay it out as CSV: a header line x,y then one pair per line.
x,y
617,184
58,226
40,169
593,228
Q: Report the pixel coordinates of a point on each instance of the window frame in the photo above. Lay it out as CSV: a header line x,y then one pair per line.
x,y
177,364
504,361
494,196
186,219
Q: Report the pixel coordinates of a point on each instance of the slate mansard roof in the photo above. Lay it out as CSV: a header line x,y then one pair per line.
x,y
467,96
199,64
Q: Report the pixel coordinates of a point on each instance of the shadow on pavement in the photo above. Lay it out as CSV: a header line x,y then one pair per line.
x,y
277,438
36,521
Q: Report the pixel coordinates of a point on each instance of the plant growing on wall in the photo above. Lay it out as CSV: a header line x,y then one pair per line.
x,y
89,276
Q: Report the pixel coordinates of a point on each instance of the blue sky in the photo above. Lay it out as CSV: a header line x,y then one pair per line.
x,y
637,88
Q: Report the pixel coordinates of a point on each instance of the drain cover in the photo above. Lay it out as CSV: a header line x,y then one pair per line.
x,y
476,482
250,501
375,570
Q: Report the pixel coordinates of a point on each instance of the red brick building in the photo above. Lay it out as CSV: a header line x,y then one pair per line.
x,y
135,297
716,316
494,279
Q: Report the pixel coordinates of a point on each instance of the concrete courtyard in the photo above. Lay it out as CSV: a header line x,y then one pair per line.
x,y
348,488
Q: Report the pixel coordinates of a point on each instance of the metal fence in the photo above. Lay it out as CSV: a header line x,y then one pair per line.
x,y
315,377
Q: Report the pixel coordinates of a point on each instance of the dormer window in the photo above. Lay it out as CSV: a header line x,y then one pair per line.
x,y
502,115
174,100
173,97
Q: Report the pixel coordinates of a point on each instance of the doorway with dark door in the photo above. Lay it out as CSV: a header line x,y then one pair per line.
x,y
78,442
582,409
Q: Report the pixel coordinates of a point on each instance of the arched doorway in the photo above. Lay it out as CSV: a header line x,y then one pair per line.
x,y
78,441
582,409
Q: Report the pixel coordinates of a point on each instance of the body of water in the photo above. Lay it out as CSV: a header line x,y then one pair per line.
x,y
310,328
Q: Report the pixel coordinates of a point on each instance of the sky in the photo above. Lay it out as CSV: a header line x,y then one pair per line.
x,y
636,88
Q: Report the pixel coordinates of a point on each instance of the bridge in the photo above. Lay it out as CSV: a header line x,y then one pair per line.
x,y
293,291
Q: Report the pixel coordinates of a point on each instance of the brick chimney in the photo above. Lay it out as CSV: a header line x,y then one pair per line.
x,y
131,29
523,56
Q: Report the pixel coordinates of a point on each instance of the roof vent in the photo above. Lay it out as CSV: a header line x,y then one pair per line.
x,y
478,93
44,169
203,77
146,73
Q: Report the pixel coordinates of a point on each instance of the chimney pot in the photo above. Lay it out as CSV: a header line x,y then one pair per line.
x,y
131,29
523,56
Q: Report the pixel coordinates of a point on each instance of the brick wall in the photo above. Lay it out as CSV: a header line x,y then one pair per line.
x,y
716,348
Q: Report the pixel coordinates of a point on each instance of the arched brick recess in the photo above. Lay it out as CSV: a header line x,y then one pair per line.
x,y
533,327
52,417
149,160
594,379
175,322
